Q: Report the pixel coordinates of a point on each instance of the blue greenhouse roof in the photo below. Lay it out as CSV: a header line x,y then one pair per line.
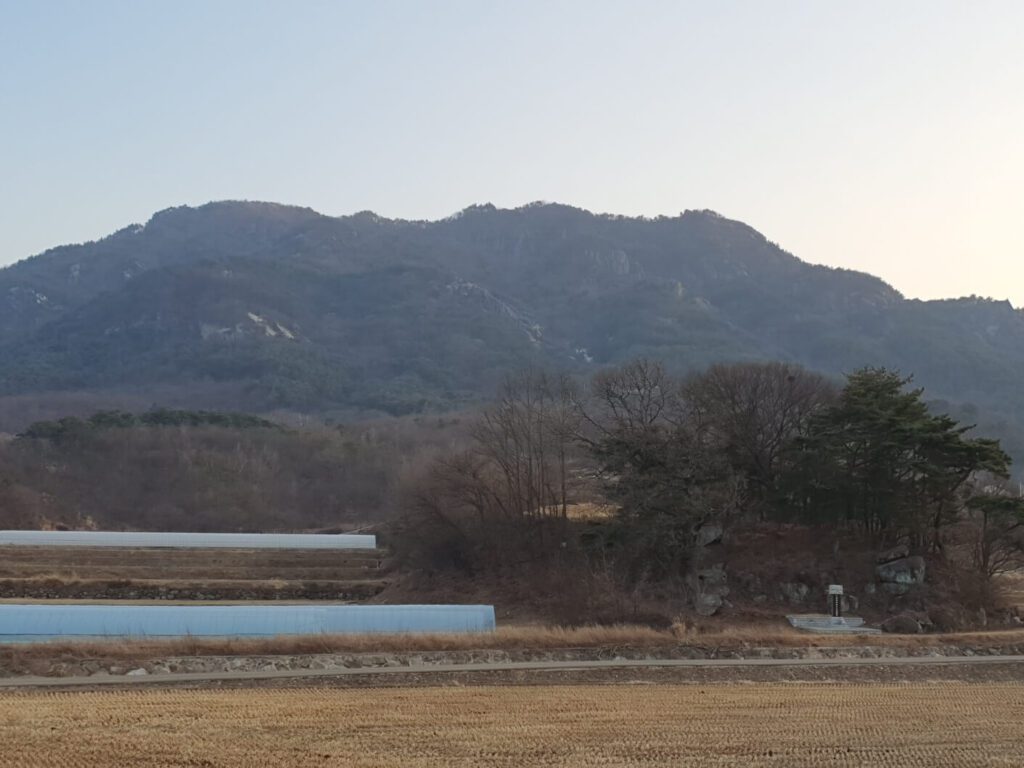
x,y
21,623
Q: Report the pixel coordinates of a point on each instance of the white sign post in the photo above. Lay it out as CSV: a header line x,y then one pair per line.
x,y
835,600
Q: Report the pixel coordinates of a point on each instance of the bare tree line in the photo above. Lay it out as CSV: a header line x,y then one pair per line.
x,y
681,458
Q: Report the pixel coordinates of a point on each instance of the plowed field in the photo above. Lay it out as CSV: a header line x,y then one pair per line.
x,y
790,725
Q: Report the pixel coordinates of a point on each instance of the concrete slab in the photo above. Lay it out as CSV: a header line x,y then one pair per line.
x,y
825,624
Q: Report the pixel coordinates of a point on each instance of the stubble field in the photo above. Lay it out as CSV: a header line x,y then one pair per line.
x,y
777,724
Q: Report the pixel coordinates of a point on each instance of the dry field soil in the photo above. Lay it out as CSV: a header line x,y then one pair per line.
x,y
784,725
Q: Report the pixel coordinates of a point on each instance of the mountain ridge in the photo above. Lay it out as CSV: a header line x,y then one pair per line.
x,y
297,310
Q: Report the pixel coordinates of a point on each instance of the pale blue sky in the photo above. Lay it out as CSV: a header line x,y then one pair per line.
x,y
883,136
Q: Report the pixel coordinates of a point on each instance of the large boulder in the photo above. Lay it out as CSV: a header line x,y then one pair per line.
x,y
902,624
707,604
713,580
906,571
708,534
710,587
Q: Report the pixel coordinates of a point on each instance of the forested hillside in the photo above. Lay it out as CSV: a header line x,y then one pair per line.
x,y
203,471
268,308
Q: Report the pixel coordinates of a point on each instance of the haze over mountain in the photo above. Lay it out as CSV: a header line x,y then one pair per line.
x,y
262,307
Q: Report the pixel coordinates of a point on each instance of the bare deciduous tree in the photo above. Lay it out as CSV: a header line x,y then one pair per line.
x,y
509,493
995,518
751,412
633,397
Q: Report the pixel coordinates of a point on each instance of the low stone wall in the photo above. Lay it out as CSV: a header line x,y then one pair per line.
x,y
440,659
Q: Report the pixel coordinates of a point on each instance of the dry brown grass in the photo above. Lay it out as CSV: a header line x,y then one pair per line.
x,y
194,565
591,511
780,635
16,656
791,725
56,581
156,573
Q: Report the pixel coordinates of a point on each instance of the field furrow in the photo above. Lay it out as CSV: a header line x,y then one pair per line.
x,y
792,725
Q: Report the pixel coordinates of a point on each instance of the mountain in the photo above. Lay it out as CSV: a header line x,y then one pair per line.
x,y
270,307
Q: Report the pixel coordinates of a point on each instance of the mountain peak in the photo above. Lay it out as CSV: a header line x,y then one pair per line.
x,y
233,211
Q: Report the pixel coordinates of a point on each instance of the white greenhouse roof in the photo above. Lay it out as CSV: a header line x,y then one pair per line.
x,y
188,540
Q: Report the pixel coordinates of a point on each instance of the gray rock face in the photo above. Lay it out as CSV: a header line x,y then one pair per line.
x,y
710,587
714,580
708,534
906,571
140,672
896,553
707,605
902,624
794,592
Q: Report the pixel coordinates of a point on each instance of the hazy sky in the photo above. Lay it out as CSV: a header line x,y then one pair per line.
x,y
883,136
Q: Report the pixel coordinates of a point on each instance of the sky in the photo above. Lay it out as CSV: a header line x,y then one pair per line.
x,y
874,135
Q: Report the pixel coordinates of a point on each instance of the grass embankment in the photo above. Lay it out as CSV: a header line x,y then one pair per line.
x,y
797,725
19,658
